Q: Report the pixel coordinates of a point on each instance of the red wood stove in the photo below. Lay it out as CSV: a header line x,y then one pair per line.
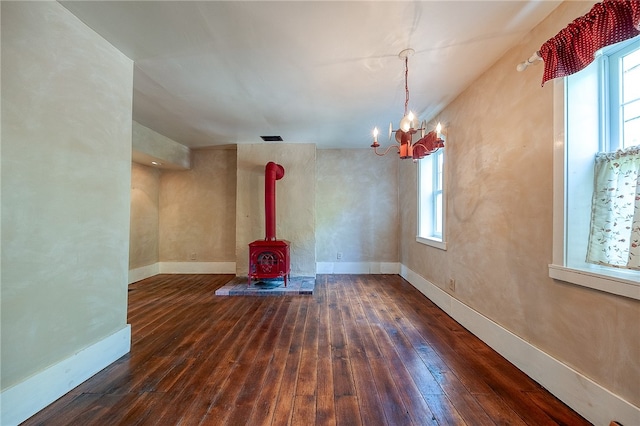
x,y
269,258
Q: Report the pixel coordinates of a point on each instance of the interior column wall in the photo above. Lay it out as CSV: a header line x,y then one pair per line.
x,y
295,202
66,170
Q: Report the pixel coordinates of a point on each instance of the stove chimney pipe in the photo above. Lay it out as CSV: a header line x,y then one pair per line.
x,y
272,173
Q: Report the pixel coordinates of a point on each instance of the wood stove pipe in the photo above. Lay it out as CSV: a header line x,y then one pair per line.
x,y
272,172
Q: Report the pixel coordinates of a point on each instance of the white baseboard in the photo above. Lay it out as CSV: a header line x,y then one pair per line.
x,y
181,268
357,268
144,272
197,267
230,268
594,402
26,398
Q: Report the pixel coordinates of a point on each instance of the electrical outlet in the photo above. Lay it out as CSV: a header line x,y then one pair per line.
x,y
339,255
193,256
452,284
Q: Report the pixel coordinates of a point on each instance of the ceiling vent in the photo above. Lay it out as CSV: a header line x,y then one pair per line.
x,y
272,138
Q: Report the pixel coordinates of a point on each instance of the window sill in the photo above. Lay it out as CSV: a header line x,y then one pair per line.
x,y
439,244
620,283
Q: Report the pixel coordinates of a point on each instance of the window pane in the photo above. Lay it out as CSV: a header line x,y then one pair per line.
x,y
631,110
631,133
438,216
631,99
631,76
430,197
425,197
439,177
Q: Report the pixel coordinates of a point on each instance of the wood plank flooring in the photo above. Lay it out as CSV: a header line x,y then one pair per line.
x,y
363,350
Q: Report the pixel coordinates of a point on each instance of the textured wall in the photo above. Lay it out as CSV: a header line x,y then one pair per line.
x,y
198,209
66,167
149,145
143,239
499,186
295,202
357,206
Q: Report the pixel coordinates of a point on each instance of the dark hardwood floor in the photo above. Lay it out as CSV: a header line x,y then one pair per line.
x,y
364,350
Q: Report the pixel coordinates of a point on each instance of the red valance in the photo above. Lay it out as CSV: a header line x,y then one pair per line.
x,y
573,48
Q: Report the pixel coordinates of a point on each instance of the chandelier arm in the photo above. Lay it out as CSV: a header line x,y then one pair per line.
x,y
424,148
426,151
375,149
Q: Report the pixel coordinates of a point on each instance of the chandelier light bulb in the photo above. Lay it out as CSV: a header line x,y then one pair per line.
x,y
439,131
375,134
405,123
408,122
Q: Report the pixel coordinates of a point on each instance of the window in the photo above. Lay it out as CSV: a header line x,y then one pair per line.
x,y
431,201
595,110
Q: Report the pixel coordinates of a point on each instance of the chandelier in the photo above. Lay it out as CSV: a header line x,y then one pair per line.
x,y
409,125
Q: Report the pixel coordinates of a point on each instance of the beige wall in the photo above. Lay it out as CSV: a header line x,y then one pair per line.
x,y
143,239
198,209
357,206
295,203
149,146
499,186
66,167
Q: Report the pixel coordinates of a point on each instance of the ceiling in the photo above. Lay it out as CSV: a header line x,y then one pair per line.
x,y
217,73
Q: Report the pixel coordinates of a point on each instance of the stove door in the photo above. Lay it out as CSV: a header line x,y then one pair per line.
x,y
267,262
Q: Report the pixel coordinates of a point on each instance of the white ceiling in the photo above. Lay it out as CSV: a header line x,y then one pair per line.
x,y
216,73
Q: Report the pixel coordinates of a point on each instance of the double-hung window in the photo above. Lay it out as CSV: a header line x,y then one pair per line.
x,y
596,173
431,200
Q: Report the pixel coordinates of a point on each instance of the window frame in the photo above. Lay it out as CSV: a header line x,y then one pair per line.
x,y
437,187
611,280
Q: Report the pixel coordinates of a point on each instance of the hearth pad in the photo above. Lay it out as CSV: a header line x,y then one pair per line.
x,y
268,287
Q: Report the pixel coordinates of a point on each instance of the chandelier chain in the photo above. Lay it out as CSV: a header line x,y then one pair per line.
x,y
406,85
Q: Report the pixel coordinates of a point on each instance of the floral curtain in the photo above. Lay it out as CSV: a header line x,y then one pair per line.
x,y
573,48
614,238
